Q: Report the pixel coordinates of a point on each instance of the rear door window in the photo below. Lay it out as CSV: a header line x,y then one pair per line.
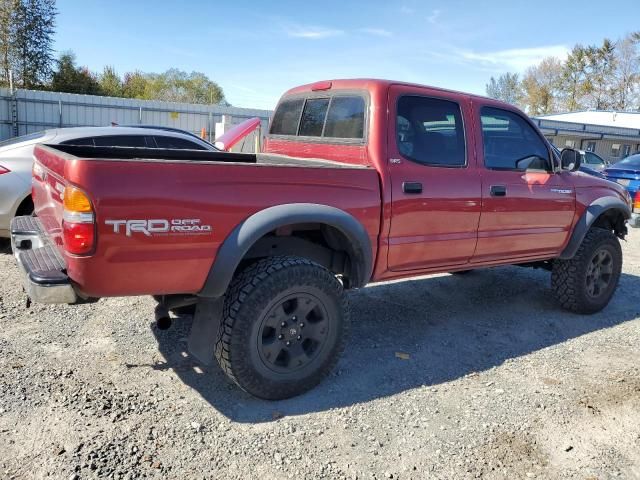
x,y
593,159
345,118
312,122
85,142
120,141
285,120
430,131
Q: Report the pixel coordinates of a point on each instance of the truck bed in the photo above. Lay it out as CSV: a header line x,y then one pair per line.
x,y
218,190
195,156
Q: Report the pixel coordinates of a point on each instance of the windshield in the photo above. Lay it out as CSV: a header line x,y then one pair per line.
x,y
630,162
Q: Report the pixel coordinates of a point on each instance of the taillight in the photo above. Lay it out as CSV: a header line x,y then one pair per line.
x,y
78,222
636,202
4,170
36,171
78,237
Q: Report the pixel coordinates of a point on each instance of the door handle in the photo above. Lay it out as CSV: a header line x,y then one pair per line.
x,y
498,191
412,187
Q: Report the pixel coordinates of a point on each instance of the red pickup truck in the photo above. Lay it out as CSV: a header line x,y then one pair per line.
x,y
358,181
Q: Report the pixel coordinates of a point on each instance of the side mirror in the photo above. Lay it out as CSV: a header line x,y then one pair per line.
x,y
570,159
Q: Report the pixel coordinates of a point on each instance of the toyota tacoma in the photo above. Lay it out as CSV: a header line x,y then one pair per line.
x,y
357,181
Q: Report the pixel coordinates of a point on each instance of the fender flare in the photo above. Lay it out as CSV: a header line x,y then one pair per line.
x,y
590,215
244,236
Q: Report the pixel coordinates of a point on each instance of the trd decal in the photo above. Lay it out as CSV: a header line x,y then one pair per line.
x,y
161,226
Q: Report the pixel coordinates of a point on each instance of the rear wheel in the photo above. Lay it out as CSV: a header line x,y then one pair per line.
x,y
285,323
586,283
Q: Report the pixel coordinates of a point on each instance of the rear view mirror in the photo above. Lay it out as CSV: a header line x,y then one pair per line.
x,y
570,159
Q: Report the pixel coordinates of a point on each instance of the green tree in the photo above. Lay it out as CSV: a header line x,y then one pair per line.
x,y
73,79
178,86
507,88
598,85
134,85
541,85
26,38
111,83
32,56
574,77
200,89
7,34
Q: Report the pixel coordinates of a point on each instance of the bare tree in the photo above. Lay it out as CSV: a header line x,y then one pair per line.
x,y
507,88
626,82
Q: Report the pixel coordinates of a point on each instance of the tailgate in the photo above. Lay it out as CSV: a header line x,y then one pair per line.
x,y
48,189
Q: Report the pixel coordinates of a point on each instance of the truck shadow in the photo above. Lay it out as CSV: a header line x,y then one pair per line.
x,y
445,327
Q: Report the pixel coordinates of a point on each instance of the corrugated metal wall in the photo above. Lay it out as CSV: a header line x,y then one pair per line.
x,y
30,111
604,147
579,135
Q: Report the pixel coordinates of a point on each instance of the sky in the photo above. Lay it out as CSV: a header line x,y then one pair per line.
x,y
256,50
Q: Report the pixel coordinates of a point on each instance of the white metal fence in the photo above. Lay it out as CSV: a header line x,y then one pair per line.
x,y
27,111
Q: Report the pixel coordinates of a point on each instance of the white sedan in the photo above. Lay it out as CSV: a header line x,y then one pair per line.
x,y
16,157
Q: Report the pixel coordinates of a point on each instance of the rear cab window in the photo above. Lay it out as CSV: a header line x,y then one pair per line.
x,y
330,117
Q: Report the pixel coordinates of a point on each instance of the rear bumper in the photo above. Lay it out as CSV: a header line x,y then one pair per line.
x,y
634,221
43,268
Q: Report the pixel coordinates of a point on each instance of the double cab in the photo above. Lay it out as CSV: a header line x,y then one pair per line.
x,y
357,181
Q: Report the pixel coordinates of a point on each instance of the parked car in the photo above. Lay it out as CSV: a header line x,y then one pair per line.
x,y
16,158
358,181
583,168
627,173
167,129
592,172
593,160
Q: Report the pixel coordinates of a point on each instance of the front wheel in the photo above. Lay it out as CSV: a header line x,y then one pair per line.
x,y
586,283
285,323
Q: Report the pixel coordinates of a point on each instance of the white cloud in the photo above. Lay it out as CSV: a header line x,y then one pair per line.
x,y
380,32
517,59
406,10
312,32
435,14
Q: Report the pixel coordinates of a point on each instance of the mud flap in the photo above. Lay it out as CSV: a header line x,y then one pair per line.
x,y
204,330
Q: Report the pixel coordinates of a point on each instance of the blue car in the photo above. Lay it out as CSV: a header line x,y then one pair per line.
x,y
627,174
592,172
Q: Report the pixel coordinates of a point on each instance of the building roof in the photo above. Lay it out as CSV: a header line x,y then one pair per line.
x,y
605,118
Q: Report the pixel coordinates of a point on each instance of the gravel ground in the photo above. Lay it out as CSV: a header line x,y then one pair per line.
x,y
452,377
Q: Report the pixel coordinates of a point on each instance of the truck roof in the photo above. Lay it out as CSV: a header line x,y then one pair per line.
x,y
366,84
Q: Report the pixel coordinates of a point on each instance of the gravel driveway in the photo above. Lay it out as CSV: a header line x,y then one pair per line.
x,y
452,377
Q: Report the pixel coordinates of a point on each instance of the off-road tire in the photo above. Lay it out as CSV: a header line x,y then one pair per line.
x,y
569,277
252,296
